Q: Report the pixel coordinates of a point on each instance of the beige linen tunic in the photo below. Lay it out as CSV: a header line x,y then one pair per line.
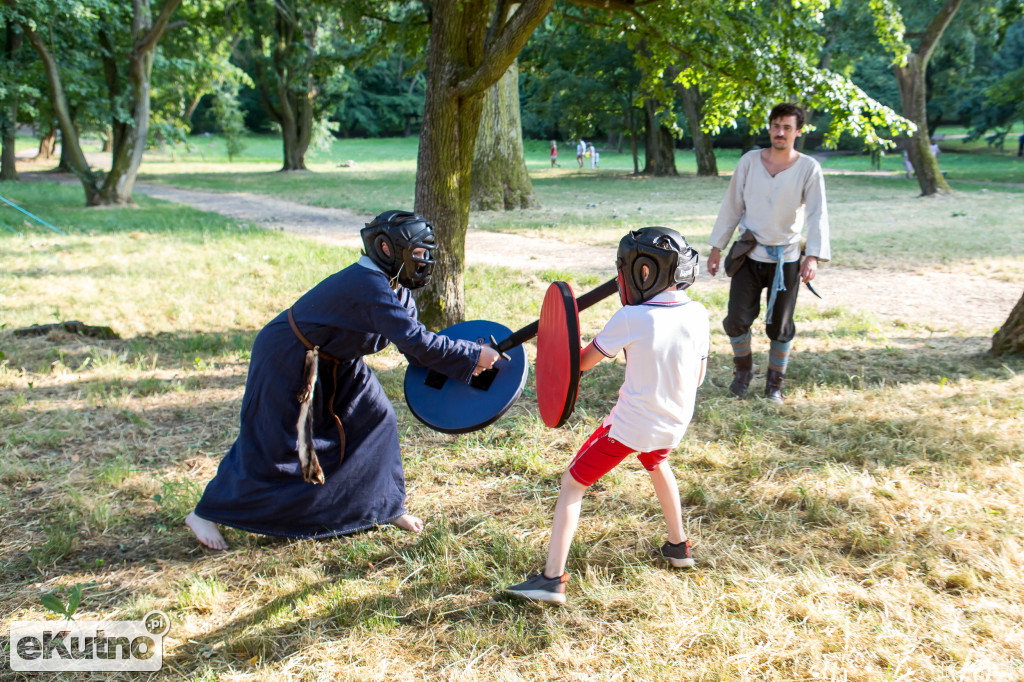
x,y
775,209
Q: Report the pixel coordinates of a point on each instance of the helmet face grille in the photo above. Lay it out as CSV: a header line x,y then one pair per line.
x,y
404,233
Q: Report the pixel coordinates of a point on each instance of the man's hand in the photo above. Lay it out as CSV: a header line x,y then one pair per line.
x,y
488,356
809,269
713,260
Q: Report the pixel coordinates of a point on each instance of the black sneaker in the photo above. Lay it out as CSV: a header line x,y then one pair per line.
x,y
677,555
541,588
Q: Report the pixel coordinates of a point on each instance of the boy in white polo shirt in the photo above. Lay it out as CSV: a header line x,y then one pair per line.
x,y
665,337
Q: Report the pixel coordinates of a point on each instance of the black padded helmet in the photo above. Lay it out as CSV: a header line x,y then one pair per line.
x,y
403,232
668,257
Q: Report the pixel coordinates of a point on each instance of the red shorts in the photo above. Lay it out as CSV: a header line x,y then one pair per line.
x,y
600,454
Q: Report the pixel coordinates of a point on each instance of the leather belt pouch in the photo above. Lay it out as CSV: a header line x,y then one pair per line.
x,y
738,252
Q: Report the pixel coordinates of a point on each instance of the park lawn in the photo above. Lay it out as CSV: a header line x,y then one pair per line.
x,y
965,165
866,530
599,206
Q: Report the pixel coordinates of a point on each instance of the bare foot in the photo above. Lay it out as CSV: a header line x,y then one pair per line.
x,y
207,532
410,523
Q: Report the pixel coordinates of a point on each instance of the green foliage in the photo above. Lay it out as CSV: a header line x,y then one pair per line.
x,y
746,57
997,101
51,601
381,99
228,114
577,80
889,28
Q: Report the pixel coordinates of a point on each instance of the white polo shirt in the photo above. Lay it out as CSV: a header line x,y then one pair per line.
x,y
666,341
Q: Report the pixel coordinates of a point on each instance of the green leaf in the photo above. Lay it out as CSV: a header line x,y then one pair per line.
x,y
74,600
51,602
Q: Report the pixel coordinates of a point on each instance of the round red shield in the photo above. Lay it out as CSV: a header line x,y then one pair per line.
x,y
558,355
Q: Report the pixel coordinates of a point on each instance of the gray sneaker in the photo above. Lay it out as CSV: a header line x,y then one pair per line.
x,y
541,588
677,555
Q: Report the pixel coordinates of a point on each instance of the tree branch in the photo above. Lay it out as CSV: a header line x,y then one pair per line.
x,y
500,54
149,41
588,22
936,29
614,5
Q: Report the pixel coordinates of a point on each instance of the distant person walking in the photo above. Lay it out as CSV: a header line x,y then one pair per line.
x,y
554,154
1020,146
581,150
593,155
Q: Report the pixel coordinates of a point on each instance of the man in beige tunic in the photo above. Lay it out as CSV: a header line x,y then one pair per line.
x,y
773,195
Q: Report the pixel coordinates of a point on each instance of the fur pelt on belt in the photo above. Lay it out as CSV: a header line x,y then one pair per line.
x,y
311,471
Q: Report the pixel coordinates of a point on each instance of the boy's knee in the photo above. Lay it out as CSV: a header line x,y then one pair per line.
x,y
569,481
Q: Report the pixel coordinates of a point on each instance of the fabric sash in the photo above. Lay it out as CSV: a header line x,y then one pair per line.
x,y
778,283
311,471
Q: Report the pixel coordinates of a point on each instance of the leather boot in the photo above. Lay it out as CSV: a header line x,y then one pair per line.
x,y
742,375
773,386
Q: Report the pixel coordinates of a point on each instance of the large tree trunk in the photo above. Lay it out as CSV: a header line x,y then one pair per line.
x,y
296,122
130,144
289,108
130,141
659,155
47,144
703,148
912,85
451,121
631,114
499,180
1010,337
9,117
470,48
64,160
8,160
69,135
911,79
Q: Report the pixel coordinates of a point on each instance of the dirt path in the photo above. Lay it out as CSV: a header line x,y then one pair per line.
x,y
963,303
978,304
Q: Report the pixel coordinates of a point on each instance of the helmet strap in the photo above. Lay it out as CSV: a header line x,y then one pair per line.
x,y
394,279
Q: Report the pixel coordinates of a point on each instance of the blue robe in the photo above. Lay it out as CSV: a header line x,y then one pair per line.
x,y
259,486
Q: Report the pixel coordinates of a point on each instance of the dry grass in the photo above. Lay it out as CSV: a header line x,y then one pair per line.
x,y
867,530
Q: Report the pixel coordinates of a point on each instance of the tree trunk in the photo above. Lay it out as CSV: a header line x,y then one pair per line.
x,y
499,179
1010,337
703,147
469,49
64,160
632,140
444,163
912,85
911,80
288,107
130,142
8,160
659,155
47,144
296,123
69,135
749,138
9,117
128,148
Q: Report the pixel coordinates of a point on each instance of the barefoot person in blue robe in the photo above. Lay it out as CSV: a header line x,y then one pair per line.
x,y
317,453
